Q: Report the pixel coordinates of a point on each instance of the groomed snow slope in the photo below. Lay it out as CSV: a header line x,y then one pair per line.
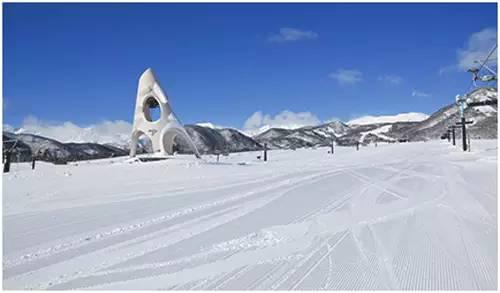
x,y
399,216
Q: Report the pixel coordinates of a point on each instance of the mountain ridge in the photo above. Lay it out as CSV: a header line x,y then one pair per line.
x,y
211,139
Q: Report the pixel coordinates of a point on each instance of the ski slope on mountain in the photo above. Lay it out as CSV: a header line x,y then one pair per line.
x,y
403,117
397,216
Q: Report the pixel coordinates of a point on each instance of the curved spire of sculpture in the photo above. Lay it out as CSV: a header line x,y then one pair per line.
x,y
162,131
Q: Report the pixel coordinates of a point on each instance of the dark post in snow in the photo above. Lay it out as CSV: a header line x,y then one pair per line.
x,y
217,153
453,134
461,101
33,163
463,123
6,166
333,148
357,145
265,152
448,135
464,134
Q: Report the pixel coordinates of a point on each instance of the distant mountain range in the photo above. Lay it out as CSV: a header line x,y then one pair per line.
x,y
210,139
403,117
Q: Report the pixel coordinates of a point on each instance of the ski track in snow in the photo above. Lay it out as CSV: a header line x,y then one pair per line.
x,y
400,216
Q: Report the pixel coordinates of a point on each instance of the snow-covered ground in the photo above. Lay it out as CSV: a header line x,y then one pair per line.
x,y
399,216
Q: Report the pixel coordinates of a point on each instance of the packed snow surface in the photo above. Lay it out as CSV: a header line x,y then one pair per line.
x,y
397,216
403,117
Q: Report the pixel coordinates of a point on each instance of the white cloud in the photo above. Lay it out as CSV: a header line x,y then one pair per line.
x,y
287,34
447,69
347,76
9,128
117,131
258,121
391,79
478,47
416,93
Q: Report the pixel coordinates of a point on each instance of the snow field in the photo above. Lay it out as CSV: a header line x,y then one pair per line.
x,y
399,216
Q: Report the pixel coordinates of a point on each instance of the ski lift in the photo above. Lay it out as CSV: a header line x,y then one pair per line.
x,y
488,78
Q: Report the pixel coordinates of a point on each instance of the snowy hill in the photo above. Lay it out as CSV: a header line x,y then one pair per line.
x,y
403,117
50,150
207,139
308,136
405,126
210,138
484,117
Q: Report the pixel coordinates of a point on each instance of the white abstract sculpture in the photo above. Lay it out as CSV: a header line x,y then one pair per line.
x,y
162,131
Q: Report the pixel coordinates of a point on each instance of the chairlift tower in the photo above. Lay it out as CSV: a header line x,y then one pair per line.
x,y
461,102
452,128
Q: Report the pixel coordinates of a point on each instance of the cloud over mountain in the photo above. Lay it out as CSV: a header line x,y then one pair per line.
x,y
286,119
103,132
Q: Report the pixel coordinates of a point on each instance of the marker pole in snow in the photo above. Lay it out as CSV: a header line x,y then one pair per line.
x,y
448,135
357,146
464,134
265,152
462,124
33,163
333,148
461,101
453,135
6,166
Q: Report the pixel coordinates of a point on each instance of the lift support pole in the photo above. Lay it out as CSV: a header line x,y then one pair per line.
x,y
453,133
6,166
265,152
463,123
461,102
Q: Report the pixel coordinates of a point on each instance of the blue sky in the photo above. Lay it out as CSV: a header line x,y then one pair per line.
x,y
223,62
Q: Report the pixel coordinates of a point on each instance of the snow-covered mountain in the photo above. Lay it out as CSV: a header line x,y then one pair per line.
x,y
50,150
403,117
307,136
484,119
401,127
211,139
208,140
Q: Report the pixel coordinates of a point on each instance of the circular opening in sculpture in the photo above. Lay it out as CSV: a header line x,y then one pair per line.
x,y
152,109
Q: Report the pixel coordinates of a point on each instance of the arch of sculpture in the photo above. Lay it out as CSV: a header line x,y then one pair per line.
x,y
163,130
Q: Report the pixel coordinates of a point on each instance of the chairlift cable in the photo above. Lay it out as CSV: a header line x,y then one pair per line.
x,y
480,67
488,57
